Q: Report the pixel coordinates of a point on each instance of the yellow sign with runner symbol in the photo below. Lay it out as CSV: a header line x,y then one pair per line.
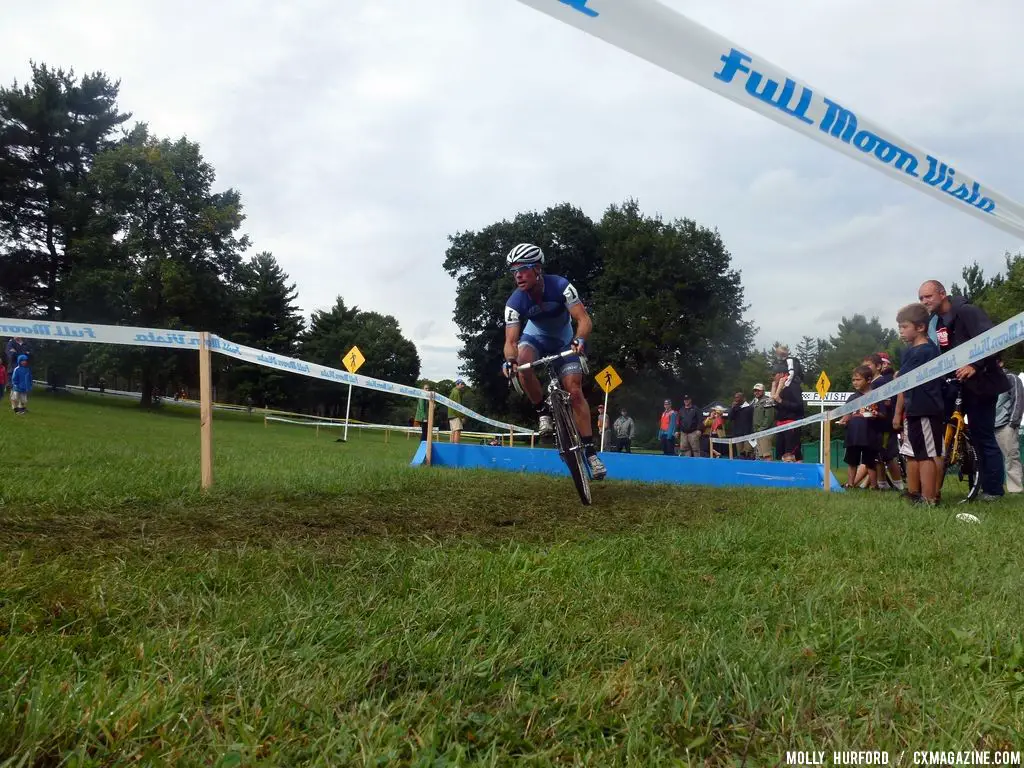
x,y
608,379
353,359
822,386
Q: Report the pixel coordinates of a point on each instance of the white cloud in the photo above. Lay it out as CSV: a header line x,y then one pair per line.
x,y
361,134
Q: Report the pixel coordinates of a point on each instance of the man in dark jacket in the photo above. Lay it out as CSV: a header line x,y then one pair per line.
x,y
955,321
690,421
741,422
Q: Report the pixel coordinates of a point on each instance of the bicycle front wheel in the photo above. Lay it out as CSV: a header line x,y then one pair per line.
x,y
970,472
570,447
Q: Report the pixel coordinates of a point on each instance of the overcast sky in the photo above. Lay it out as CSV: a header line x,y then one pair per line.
x,y
362,133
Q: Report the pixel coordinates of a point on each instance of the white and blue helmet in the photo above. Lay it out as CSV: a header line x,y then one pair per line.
x,y
524,255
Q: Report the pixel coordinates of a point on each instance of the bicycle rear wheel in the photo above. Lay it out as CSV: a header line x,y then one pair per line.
x,y
570,447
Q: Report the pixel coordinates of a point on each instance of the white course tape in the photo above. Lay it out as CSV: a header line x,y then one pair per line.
x,y
380,427
994,340
171,339
100,334
326,373
654,32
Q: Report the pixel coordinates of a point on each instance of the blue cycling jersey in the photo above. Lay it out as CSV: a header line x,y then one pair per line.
x,y
550,318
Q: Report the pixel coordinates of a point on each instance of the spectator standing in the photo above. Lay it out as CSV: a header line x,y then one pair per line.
x,y
421,413
15,348
601,420
954,322
789,407
919,411
714,426
741,422
764,418
625,430
455,423
888,446
21,385
689,428
1009,407
863,437
667,428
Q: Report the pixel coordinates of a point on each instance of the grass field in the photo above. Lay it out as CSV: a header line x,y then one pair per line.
x,y
327,604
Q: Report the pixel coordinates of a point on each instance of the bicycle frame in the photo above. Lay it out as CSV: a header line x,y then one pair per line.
x,y
554,386
951,441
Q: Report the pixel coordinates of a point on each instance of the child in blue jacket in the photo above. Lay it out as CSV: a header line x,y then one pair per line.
x,y
21,385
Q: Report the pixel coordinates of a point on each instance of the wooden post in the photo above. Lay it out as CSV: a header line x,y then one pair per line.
x,y
511,435
205,412
318,429
531,439
387,433
730,450
604,421
827,431
430,429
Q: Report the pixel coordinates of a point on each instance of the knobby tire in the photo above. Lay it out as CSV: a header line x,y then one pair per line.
x,y
570,447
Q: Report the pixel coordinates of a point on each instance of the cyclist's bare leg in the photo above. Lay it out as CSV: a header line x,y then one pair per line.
x,y
528,379
894,470
573,384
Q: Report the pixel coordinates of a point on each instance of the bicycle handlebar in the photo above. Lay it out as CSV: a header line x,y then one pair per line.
x,y
548,359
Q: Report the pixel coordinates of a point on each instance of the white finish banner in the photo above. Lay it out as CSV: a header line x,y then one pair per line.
x,y
654,32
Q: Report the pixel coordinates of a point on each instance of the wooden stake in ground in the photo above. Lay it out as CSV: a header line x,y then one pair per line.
x,y
730,450
205,412
827,431
430,428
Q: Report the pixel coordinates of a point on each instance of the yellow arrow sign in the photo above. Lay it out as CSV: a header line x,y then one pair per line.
x,y
608,379
353,359
823,385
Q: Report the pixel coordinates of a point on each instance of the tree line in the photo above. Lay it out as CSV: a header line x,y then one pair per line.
x,y
101,221
105,223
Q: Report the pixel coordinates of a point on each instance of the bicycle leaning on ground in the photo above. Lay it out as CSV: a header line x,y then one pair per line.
x,y
567,434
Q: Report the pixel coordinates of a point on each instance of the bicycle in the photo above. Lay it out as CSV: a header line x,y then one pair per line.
x,y
901,461
567,434
957,448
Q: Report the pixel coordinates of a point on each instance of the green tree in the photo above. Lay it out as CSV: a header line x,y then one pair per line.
x,y
666,303
389,356
811,353
162,249
974,284
856,338
1003,298
266,317
755,369
51,130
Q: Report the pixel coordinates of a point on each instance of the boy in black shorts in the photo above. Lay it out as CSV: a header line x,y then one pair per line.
x,y
919,410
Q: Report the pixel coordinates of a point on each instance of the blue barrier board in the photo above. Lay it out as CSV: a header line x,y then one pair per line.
x,y
638,467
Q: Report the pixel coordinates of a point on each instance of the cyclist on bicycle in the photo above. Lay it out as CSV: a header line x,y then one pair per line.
x,y
538,323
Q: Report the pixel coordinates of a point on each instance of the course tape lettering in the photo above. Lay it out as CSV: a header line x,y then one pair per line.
x,y
994,340
670,40
102,334
172,339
